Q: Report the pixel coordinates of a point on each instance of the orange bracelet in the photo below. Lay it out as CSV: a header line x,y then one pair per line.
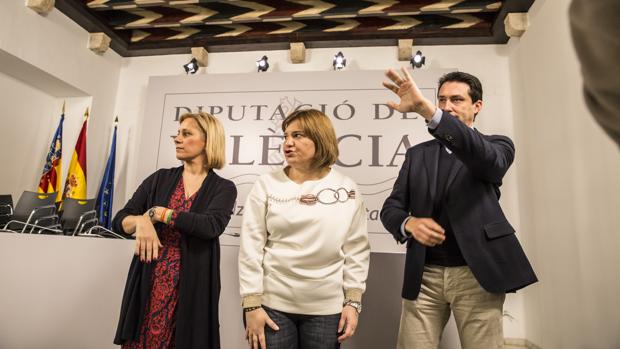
x,y
162,217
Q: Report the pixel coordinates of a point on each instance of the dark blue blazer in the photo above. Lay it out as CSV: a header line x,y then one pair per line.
x,y
484,235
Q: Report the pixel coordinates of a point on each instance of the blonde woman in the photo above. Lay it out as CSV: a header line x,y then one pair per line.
x,y
177,215
304,252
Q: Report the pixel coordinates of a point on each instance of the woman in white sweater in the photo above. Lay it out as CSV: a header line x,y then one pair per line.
x,y
304,253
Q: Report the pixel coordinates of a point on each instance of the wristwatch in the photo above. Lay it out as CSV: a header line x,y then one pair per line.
x,y
356,305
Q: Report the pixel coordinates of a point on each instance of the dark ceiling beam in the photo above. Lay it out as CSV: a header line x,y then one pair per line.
x,y
498,29
80,14
147,50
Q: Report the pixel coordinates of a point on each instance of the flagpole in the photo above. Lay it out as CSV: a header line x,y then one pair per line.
x,y
105,196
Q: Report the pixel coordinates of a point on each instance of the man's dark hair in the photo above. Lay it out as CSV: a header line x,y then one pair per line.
x,y
475,87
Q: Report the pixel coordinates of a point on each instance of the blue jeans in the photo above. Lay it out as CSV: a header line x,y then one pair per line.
x,y
298,331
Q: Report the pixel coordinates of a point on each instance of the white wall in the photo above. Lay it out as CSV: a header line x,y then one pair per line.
x,y
17,170
51,50
568,187
30,117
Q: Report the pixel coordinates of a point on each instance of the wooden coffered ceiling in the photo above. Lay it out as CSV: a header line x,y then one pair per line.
x,y
156,27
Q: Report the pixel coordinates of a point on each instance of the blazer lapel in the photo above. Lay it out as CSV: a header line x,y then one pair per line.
x,y
458,164
431,162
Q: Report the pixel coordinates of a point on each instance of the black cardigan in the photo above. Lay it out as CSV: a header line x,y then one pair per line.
x,y
197,323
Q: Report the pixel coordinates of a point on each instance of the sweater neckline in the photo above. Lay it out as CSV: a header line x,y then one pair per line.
x,y
288,179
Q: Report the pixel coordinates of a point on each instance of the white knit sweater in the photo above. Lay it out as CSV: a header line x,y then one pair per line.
x,y
301,257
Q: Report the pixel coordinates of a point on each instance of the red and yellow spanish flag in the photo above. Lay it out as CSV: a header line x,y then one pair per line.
x,y
51,178
75,185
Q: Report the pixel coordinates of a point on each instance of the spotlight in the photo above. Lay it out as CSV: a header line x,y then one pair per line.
x,y
191,67
262,64
417,61
339,61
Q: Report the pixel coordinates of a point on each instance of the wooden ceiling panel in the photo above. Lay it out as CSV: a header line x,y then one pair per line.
x,y
149,27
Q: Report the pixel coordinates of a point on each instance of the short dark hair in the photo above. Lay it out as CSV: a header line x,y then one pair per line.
x,y
317,126
475,87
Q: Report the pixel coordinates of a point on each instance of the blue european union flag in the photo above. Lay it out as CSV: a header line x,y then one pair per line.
x,y
106,189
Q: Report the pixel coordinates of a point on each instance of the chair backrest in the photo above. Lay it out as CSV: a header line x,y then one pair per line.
x,y
29,201
6,209
72,210
30,207
86,225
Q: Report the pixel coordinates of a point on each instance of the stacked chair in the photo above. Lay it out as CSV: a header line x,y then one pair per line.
x,y
79,218
6,209
36,213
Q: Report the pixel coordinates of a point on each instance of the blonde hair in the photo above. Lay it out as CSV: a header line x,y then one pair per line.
x,y
317,126
215,139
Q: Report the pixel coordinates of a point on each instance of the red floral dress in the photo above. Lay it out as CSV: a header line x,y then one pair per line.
x,y
159,324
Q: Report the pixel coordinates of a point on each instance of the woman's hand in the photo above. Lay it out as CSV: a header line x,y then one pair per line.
x,y
255,321
147,241
348,323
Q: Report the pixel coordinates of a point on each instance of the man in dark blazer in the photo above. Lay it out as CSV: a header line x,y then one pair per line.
x,y
462,254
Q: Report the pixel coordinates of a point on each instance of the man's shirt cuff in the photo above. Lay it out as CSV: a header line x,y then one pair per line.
x,y
436,119
402,228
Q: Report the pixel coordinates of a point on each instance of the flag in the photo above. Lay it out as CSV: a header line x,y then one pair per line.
x,y
106,189
75,184
51,177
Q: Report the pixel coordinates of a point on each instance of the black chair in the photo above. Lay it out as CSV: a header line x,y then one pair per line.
x,y
75,213
79,218
35,212
6,209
